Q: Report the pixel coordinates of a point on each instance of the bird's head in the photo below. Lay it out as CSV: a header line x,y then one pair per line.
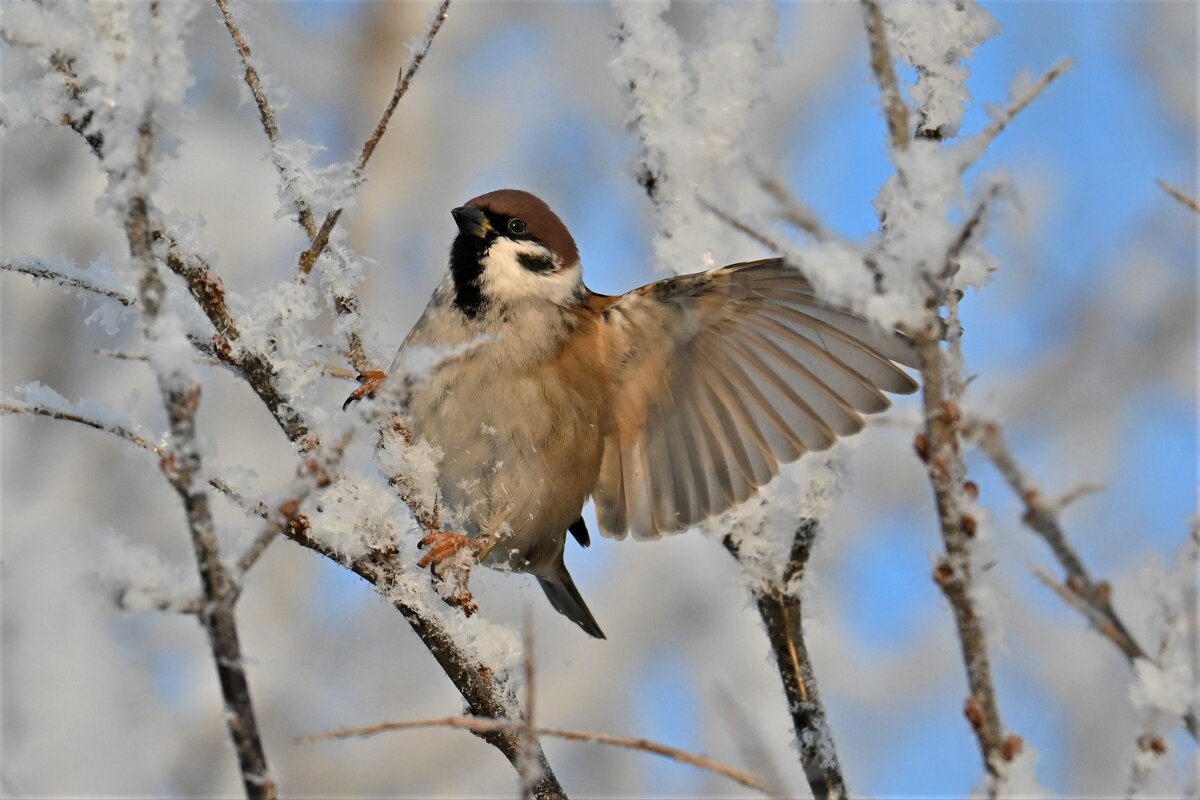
x,y
512,249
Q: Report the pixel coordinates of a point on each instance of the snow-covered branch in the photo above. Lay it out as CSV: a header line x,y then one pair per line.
x,y
779,605
181,458
920,258
67,275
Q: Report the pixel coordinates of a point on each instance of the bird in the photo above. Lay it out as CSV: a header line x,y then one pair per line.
x,y
667,405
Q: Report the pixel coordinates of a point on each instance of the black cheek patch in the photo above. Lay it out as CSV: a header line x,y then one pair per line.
x,y
540,264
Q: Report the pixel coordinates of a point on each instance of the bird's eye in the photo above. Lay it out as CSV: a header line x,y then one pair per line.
x,y
516,225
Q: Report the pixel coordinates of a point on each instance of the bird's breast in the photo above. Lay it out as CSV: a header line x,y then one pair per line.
x,y
521,440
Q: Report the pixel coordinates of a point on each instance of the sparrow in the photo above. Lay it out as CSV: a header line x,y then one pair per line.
x,y
666,405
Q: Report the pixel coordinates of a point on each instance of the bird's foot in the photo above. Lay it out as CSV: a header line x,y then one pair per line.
x,y
371,380
450,558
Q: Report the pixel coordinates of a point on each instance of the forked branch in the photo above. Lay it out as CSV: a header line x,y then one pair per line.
x,y
1090,597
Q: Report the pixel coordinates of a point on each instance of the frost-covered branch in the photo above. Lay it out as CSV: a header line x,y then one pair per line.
x,y
895,109
345,303
69,277
780,608
919,258
1088,596
791,210
476,681
181,464
978,145
488,726
65,415
741,226
315,473
1180,195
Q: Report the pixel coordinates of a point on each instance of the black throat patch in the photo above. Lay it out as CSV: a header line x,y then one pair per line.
x,y
466,255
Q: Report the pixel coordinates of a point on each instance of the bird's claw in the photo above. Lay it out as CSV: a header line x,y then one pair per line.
x,y
450,558
371,380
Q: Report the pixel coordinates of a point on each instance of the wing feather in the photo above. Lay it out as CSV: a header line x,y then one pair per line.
x,y
721,377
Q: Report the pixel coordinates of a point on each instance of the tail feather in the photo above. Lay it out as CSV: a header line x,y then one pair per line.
x,y
563,595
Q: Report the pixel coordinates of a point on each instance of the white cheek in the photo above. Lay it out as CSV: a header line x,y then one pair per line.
x,y
505,279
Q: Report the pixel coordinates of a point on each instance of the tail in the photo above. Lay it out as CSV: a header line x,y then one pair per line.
x,y
563,595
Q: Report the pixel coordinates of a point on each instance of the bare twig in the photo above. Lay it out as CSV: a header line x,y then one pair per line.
x,y
48,273
779,607
1091,598
489,725
1179,195
1041,517
895,109
266,114
975,147
403,81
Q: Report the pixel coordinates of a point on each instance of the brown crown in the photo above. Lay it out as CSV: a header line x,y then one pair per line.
x,y
540,221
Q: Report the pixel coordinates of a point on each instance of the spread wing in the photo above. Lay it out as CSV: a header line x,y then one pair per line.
x,y
725,375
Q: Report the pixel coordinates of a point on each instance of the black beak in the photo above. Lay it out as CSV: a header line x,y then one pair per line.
x,y
471,221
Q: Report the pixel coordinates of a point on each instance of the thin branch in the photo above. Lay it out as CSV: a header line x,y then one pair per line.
x,y
1042,519
1179,195
749,740
966,233
181,465
265,113
489,725
403,81
939,447
314,473
528,727
474,680
44,272
975,147
894,107
119,431
780,609
741,227
344,304
791,210
1091,598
